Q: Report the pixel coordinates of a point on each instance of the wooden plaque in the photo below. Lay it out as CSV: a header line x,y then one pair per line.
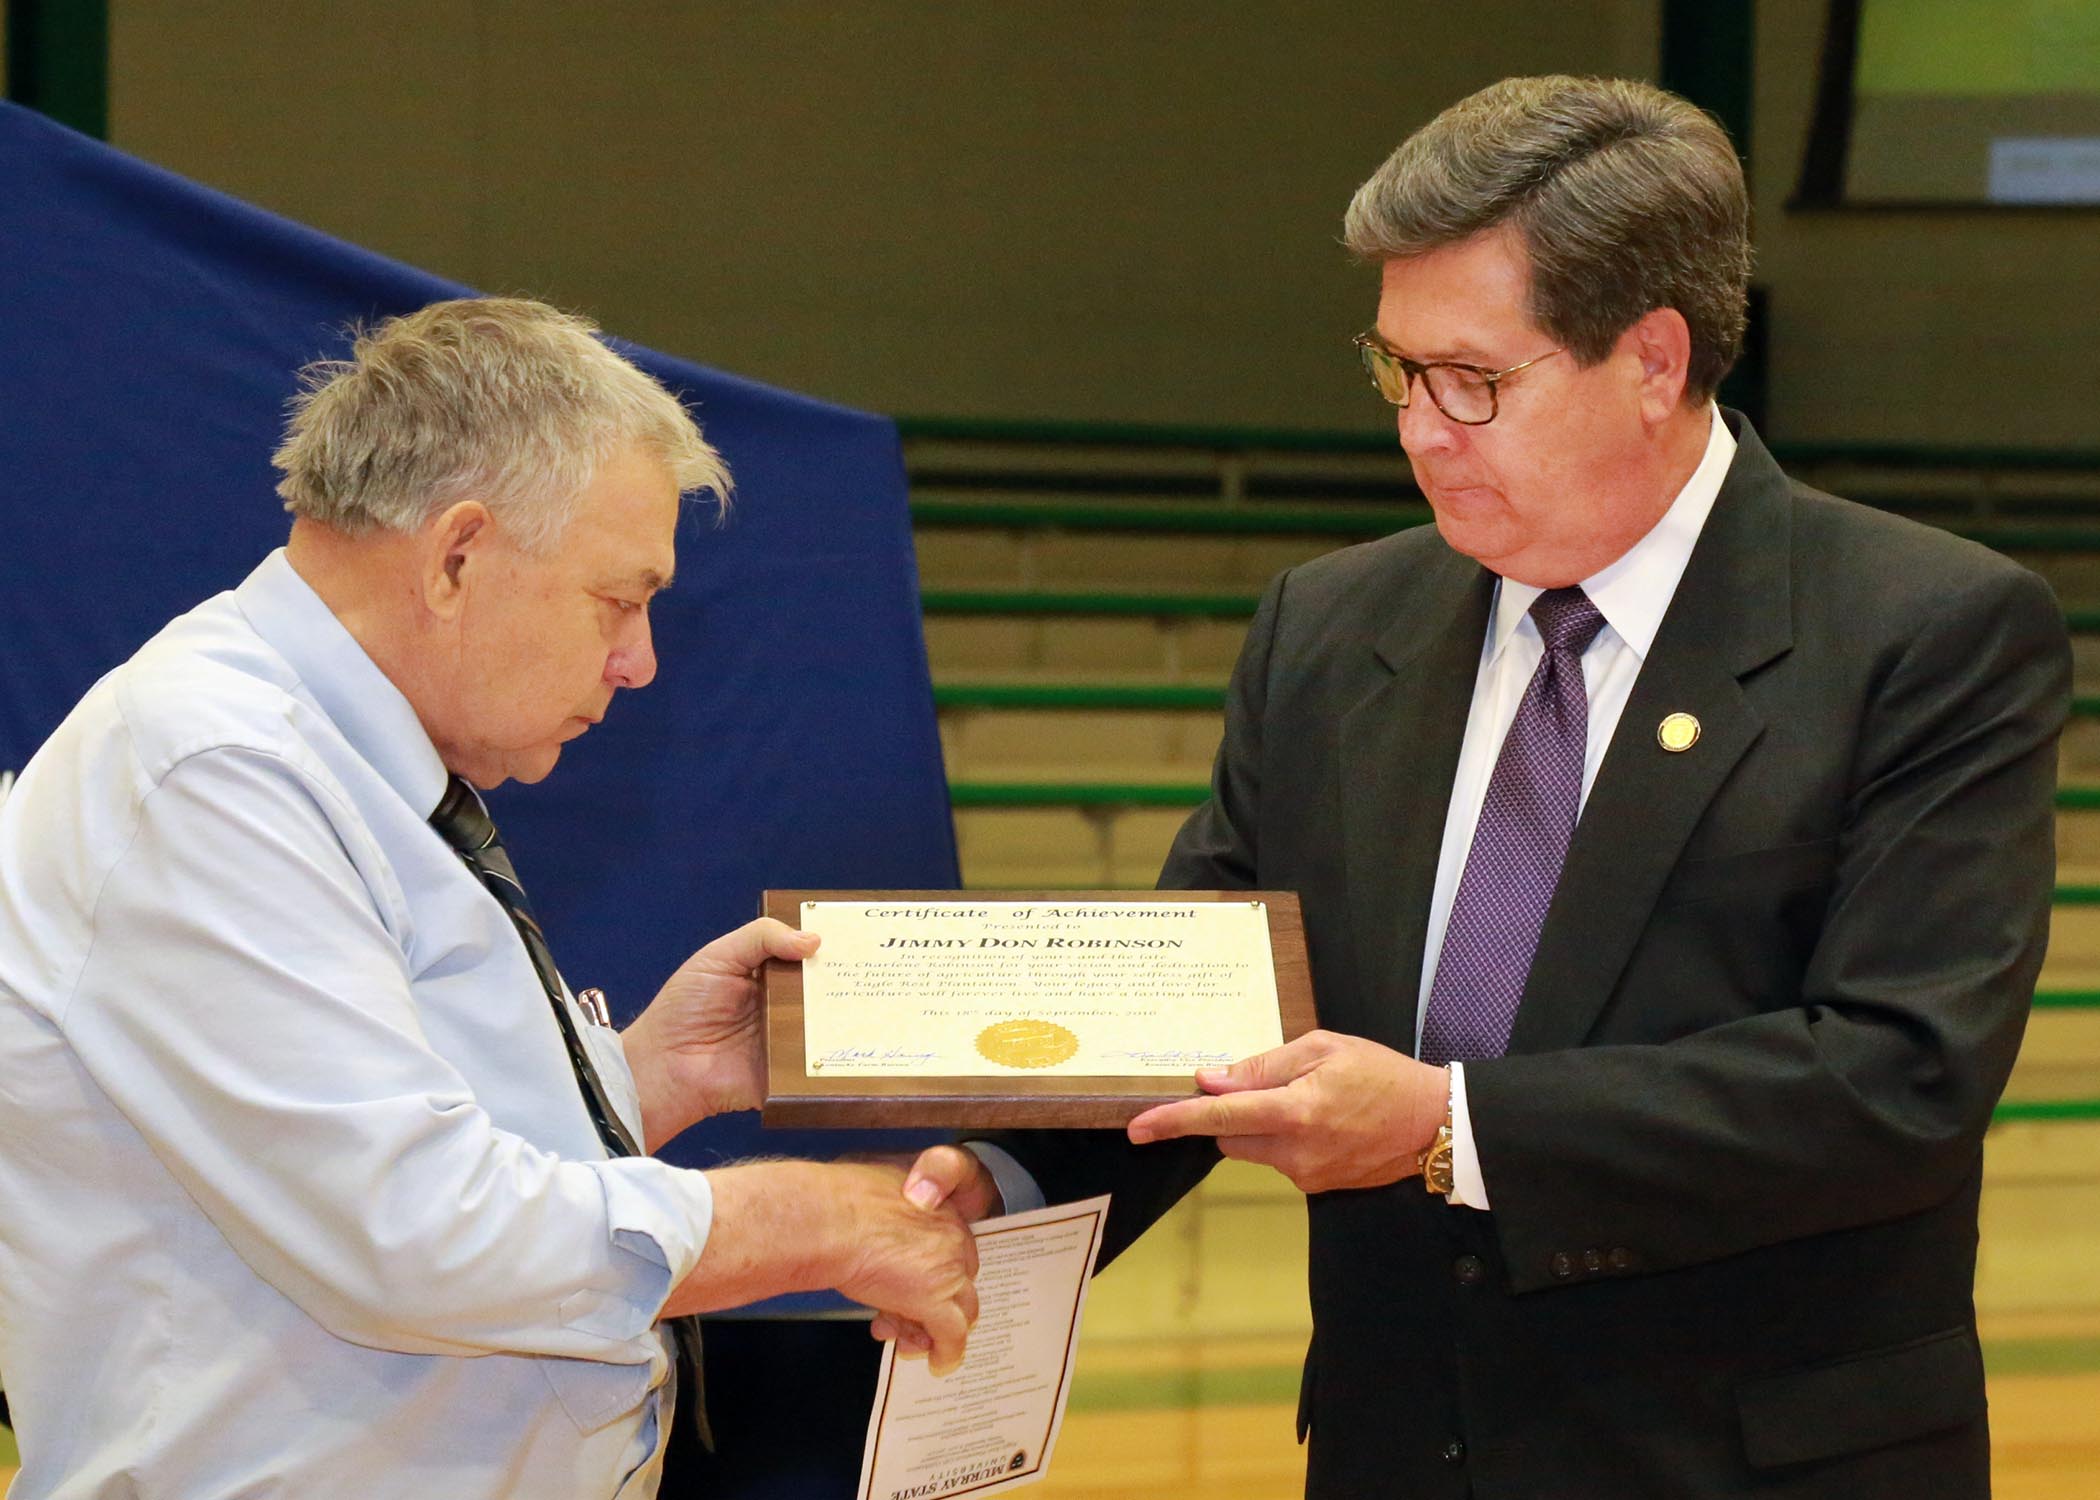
x,y
794,1098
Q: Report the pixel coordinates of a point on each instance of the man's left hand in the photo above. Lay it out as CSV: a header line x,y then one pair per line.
x,y
695,1051
1328,1111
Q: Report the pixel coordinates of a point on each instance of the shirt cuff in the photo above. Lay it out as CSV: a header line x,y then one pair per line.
x,y
1017,1187
1468,1188
659,1216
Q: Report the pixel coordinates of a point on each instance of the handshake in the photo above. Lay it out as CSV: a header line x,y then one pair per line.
x,y
890,1233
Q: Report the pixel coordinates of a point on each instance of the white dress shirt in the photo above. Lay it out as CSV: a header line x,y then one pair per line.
x,y
1632,594
301,1195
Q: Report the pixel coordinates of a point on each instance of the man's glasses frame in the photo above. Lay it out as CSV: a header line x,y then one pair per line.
x,y
1380,363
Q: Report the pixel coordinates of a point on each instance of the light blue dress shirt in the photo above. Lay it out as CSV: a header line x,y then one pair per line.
x,y
298,1193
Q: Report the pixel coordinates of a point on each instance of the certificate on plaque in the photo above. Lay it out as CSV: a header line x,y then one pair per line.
x,y
979,1008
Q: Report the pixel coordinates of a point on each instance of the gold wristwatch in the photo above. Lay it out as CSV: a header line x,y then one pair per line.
x,y
1436,1161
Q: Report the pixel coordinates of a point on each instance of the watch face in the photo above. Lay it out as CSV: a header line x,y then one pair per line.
x,y
1436,1164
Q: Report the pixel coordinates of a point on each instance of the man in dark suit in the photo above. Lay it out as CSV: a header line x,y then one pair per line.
x,y
1676,850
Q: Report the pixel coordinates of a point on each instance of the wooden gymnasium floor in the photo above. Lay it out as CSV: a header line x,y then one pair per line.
x,y
1164,1433
1204,1421
1211,1417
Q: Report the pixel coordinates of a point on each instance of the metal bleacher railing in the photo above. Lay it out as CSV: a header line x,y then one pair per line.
x,y
1049,479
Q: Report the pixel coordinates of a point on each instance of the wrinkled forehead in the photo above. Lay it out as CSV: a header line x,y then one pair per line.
x,y
625,526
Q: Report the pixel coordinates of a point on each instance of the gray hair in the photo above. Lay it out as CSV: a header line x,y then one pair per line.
x,y
1627,198
502,400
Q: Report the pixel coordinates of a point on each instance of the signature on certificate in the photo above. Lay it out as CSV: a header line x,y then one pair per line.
x,y
1179,1057
870,1055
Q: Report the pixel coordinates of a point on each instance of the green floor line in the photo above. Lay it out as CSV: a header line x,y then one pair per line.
x,y
1152,696
1375,436
1122,603
2053,540
1170,1390
2043,1356
1361,519
1163,794
1049,432
1073,794
1170,696
1042,602
1277,1385
1253,518
2067,999
2046,1110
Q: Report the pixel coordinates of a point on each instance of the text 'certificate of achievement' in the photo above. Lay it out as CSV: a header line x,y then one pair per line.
x,y
991,1423
963,988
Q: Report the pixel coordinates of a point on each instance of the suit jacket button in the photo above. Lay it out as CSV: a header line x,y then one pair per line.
x,y
1562,1266
1454,1452
1468,1270
1593,1260
1621,1259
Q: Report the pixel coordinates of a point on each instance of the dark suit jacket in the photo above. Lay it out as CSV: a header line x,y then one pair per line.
x,y
1735,1147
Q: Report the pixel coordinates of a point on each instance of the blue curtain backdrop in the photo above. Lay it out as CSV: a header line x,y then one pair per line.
x,y
150,331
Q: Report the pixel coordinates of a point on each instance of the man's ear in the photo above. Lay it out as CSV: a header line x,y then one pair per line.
x,y
455,544
1662,342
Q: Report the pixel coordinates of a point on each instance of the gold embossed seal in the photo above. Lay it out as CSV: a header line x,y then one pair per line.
x,y
1027,1044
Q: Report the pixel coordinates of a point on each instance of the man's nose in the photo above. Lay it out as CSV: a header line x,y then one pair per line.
x,y
1423,426
632,663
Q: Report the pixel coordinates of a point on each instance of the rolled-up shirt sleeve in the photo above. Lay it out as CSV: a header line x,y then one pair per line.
x,y
246,1008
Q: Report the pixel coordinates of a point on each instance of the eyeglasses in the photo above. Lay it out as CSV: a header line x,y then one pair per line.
x,y
1464,393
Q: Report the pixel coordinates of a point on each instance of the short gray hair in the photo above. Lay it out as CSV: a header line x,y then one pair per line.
x,y
497,399
1627,198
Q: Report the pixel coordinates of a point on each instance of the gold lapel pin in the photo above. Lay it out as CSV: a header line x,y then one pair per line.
x,y
1677,733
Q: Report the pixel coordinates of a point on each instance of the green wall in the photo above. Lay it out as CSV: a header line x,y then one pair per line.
x,y
1080,210
1093,210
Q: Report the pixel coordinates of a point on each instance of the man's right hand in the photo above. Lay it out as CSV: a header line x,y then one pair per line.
x,y
940,1177
788,1226
956,1177
909,1277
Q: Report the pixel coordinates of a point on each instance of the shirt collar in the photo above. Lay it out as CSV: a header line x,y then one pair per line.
x,y
1634,592
346,684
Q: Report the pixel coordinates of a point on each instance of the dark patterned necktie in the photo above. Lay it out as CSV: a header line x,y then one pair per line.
x,y
1519,845
466,825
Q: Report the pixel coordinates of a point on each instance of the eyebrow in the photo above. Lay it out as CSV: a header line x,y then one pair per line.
x,y
648,581
1456,354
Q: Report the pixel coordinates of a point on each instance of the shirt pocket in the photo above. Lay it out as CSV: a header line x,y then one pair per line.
x,y
595,1394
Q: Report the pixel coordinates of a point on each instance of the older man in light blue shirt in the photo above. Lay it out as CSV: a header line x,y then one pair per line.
x,y
303,1192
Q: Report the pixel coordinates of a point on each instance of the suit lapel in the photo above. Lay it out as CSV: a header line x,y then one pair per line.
x,y
1731,614
1399,751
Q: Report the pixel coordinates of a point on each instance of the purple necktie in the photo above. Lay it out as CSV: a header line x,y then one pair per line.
x,y
1519,845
